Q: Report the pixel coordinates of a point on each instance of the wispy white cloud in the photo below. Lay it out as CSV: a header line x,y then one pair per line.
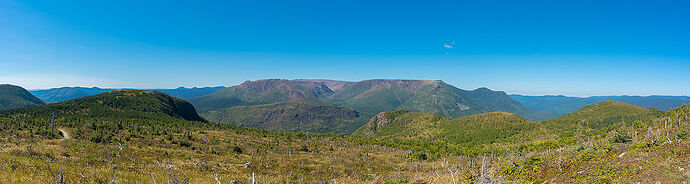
x,y
449,46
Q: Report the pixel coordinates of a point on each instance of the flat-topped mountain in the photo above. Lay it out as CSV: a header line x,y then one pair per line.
x,y
371,96
12,96
255,93
334,85
367,97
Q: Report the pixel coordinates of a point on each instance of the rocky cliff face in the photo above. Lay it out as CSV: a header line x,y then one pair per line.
x,y
255,93
377,122
318,87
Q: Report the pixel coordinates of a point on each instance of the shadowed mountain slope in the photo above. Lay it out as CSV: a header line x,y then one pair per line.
x,y
117,104
290,116
12,96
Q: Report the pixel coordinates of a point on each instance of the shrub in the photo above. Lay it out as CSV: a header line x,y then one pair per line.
x,y
622,138
236,149
420,156
303,148
682,135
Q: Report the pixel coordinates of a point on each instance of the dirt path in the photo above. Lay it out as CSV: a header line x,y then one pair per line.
x,y
65,135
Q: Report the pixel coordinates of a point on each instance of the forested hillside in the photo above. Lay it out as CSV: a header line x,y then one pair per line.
x,y
16,97
291,116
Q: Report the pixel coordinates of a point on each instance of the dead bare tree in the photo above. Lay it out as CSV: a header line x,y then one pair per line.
x,y
154,179
215,177
246,164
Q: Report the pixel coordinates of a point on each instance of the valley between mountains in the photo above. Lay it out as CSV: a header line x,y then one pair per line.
x,y
329,131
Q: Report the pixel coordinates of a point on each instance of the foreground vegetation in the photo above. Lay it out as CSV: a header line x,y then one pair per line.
x,y
147,137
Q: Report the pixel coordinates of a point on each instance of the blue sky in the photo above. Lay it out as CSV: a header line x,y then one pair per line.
x,y
576,48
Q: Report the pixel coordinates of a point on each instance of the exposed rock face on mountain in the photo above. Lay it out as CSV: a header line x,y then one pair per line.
x,y
334,85
12,96
377,122
419,128
319,88
255,93
368,97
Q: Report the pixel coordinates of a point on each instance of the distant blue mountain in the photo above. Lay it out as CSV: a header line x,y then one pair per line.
x,y
562,105
189,93
68,93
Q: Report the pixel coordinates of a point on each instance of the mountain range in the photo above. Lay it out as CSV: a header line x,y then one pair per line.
x,y
68,93
124,131
553,106
367,97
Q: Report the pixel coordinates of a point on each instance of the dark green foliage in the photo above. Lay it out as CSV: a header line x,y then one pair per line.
x,y
420,156
622,137
303,148
682,135
291,116
121,104
236,149
16,97
395,114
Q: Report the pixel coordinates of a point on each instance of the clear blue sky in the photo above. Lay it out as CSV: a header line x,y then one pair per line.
x,y
577,48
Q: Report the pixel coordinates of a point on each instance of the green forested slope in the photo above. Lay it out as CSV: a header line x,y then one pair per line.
x,y
290,116
16,97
